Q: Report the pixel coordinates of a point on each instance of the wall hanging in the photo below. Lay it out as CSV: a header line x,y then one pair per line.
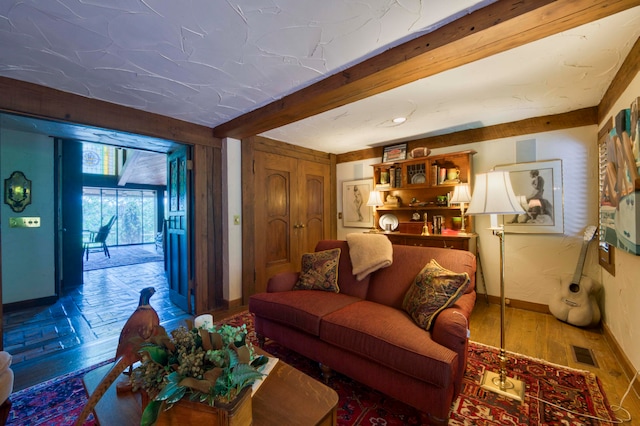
x,y
619,180
355,212
17,191
538,187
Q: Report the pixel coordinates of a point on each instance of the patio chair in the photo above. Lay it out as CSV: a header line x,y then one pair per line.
x,y
97,240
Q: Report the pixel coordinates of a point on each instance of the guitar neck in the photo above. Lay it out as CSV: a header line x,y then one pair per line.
x,y
583,254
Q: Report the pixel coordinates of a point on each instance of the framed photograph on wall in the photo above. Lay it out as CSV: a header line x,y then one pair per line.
x,y
355,212
538,187
394,153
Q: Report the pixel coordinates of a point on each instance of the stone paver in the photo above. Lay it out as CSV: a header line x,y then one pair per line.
x,y
94,311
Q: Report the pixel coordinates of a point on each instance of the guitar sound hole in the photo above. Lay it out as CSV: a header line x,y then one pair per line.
x,y
574,288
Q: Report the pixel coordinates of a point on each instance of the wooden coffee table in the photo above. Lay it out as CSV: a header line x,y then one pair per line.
x,y
287,396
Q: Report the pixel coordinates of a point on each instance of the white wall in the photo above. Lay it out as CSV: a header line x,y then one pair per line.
x,y
28,258
534,263
232,193
622,292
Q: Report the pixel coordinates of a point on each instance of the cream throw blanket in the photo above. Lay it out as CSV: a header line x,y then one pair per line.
x,y
369,252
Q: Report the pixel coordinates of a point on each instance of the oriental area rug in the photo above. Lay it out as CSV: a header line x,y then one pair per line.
x,y
59,401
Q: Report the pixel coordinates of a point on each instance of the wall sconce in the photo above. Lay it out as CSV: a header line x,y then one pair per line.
x,y
17,191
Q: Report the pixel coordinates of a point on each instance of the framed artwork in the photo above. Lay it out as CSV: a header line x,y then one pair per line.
x,y
394,153
538,187
355,212
619,177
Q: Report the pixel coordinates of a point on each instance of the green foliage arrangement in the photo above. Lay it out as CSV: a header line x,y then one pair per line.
x,y
209,365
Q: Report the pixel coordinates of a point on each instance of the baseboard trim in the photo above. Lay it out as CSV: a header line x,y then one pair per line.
x,y
230,304
514,303
32,303
624,362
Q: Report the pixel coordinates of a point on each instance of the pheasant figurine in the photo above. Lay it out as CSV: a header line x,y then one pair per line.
x,y
141,326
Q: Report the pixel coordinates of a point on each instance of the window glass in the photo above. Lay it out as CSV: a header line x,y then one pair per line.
x,y
98,159
136,210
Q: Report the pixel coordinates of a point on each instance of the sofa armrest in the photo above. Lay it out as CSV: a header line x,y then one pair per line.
x,y
283,281
451,330
451,325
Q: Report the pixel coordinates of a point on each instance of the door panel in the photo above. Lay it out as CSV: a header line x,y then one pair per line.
x,y
177,229
275,183
291,212
70,212
314,204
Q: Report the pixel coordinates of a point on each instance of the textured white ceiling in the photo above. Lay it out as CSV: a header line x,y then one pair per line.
x,y
558,74
208,61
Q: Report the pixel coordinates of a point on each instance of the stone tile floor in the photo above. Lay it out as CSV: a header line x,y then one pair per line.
x,y
97,310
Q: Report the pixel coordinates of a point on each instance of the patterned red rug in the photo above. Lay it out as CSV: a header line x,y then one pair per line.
x,y
58,401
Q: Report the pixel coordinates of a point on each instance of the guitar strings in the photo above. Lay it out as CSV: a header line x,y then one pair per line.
x,y
619,406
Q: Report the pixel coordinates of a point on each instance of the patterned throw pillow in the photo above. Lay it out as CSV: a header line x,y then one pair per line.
x,y
319,271
433,289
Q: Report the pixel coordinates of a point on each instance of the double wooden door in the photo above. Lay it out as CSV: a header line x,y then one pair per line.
x,y
291,212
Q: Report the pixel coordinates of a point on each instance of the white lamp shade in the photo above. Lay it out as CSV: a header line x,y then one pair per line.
x,y
375,199
493,194
461,194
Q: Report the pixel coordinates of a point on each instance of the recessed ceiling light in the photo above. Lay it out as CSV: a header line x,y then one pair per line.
x,y
399,120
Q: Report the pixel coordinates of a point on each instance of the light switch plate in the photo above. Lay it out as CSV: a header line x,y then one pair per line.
x,y
24,222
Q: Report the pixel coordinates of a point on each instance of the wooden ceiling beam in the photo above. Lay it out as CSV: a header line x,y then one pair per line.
x,y
36,101
623,78
498,27
547,123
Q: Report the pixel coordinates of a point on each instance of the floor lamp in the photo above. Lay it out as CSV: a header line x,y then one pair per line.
x,y
493,194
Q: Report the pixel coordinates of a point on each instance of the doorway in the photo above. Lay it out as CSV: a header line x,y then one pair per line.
x,y
36,138
103,298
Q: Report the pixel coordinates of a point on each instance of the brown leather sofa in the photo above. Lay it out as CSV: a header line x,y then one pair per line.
x,y
363,332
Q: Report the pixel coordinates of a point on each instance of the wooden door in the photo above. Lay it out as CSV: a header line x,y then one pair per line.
x,y
292,212
276,185
69,213
177,238
314,206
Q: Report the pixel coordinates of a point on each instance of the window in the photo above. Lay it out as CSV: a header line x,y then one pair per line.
x,y
99,159
136,210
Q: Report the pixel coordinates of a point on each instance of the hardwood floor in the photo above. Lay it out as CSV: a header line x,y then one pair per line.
x,y
543,336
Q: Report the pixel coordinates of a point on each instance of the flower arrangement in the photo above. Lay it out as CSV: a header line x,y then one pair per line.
x,y
208,364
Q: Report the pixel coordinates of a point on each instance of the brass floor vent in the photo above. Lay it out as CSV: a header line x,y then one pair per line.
x,y
584,356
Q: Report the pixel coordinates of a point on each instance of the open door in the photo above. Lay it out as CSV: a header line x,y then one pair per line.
x,y
177,238
69,213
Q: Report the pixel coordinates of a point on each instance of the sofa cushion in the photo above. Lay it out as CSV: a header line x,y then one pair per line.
x,y
301,309
434,289
319,271
389,336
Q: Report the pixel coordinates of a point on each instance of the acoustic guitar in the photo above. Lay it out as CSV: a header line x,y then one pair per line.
x,y
576,303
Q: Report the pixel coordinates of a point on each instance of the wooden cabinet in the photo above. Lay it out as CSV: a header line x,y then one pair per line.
x,y
460,242
415,187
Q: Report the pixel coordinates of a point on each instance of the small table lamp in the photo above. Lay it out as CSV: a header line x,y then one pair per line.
x,y
493,194
461,196
375,200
